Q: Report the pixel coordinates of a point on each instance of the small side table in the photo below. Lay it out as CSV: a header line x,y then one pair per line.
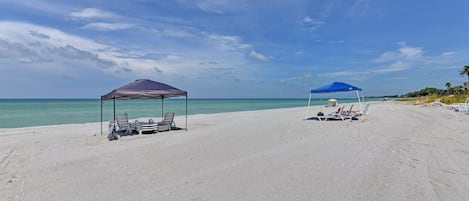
x,y
146,127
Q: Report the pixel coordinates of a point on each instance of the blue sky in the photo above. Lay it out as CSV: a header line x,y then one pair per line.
x,y
233,49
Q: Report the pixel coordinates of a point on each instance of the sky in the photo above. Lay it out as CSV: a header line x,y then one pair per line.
x,y
230,49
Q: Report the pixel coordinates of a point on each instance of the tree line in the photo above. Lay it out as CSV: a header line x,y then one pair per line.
x,y
450,89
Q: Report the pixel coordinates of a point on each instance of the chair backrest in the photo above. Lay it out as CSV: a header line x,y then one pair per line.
x,y
366,111
340,110
348,112
122,120
168,117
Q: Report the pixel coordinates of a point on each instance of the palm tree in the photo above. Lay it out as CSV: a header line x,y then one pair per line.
x,y
448,86
465,71
458,89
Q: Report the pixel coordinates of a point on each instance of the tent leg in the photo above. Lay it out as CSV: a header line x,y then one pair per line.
x,y
186,112
309,102
321,103
363,97
114,106
162,112
101,116
359,102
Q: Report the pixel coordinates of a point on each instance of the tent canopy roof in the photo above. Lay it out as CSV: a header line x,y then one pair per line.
x,y
143,89
336,87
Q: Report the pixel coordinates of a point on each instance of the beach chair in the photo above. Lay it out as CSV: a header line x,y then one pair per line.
x,y
336,115
167,123
123,125
320,116
459,107
348,113
463,107
366,111
363,112
112,135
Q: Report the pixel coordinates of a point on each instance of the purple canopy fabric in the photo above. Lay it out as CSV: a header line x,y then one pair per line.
x,y
142,89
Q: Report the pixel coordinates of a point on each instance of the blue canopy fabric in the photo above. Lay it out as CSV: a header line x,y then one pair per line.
x,y
336,87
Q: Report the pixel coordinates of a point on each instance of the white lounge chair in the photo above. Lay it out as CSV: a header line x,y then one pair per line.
x,y
123,125
336,115
112,135
348,113
366,111
167,123
463,107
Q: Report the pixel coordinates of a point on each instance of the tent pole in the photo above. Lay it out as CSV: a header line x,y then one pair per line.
x,y
359,102
363,97
309,102
162,115
101,116
186,112
114,106
321,103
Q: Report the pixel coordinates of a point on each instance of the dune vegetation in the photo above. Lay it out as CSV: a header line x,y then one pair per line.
x,y
452,94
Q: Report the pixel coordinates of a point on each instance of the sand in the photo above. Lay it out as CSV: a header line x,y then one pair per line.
x,y
398,152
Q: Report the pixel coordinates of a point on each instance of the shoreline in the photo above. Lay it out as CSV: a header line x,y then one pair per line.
x,y
29,113
139,118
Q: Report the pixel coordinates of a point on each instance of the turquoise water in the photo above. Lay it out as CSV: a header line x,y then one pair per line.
x,y
16,113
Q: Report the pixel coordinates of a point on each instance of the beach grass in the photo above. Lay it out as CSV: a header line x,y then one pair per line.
x,y
447,99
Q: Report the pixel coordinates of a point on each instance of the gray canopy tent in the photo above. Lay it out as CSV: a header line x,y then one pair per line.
x,y
142,89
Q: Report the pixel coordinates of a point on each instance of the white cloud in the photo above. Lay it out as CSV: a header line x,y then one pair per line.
x,y
259,56
27,43
304,77
42,6
447,54
387,56
52,50
310,23
39,36
103,26
92,13
62,50
452,67
405,52
217,6
410,52
395,67
358,7
230,43
176,33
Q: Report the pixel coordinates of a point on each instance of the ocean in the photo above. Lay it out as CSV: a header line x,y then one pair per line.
x,y
15,113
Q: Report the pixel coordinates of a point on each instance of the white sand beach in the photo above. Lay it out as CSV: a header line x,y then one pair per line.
x,y
399,152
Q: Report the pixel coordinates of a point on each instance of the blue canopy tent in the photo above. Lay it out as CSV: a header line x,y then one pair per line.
x,y
336,87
